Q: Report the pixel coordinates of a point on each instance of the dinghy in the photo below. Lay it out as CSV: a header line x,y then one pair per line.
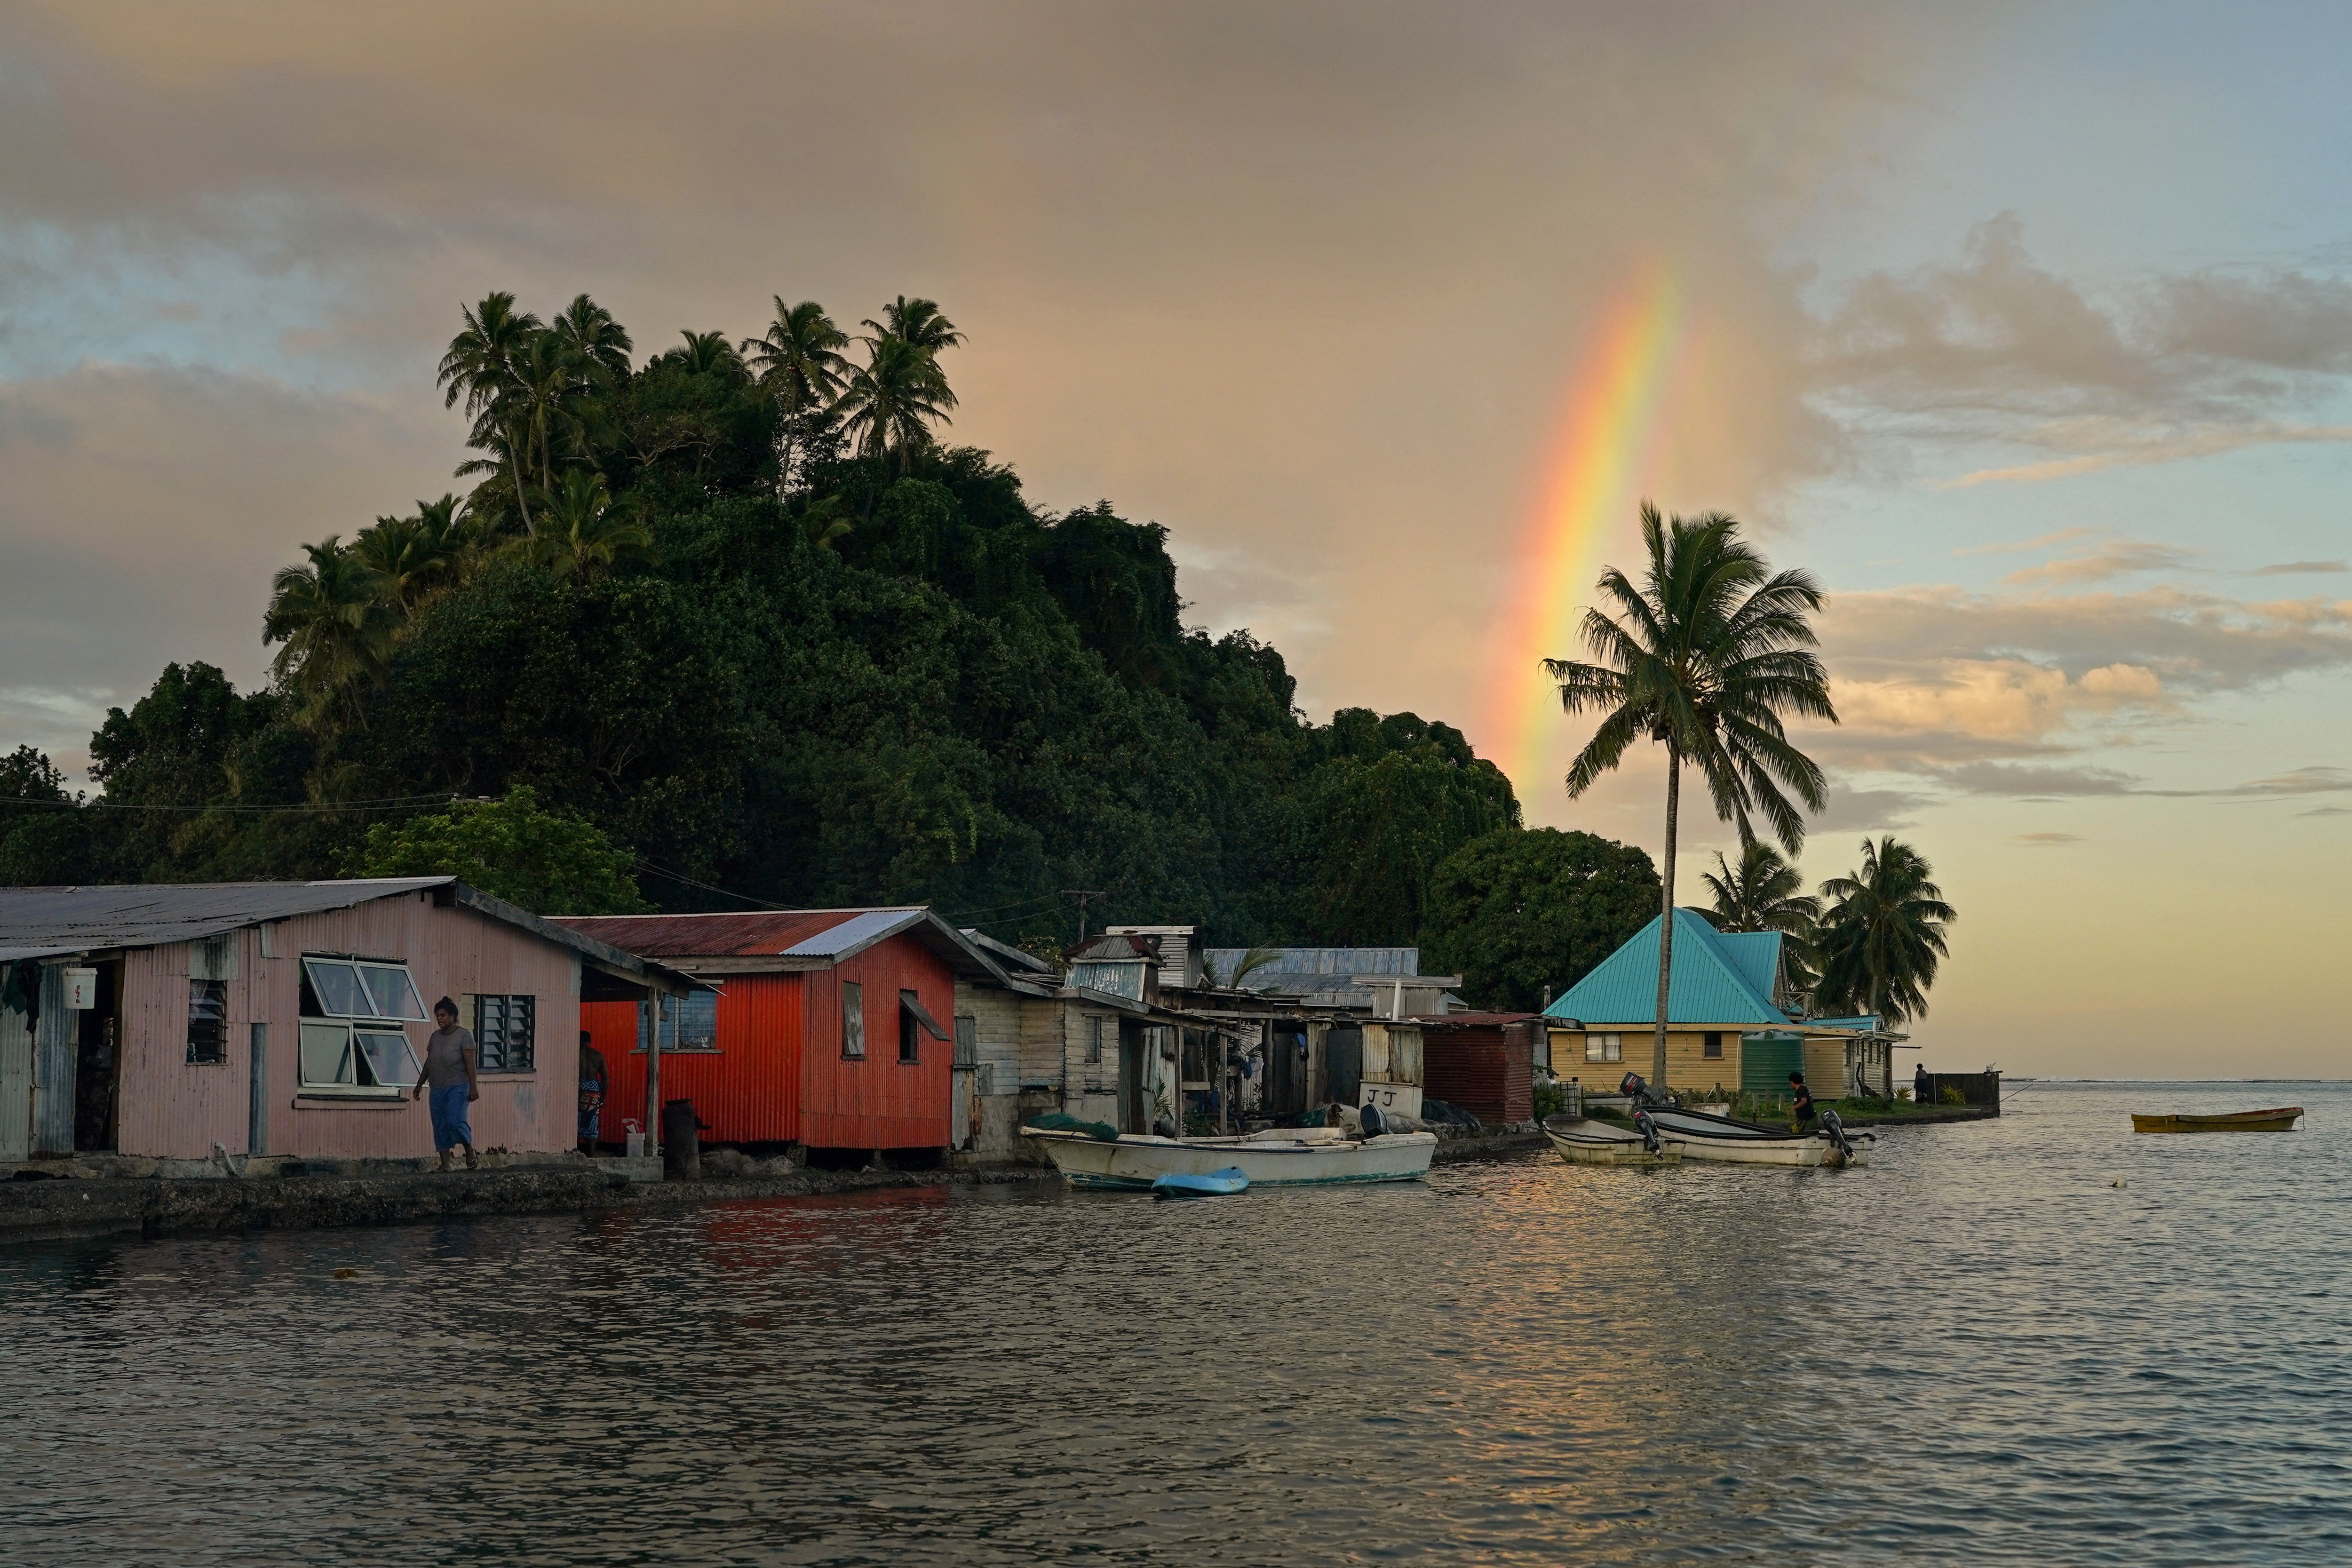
x,y
1279,1157
1724,1138
1598,1143
1222,1183
2278,1119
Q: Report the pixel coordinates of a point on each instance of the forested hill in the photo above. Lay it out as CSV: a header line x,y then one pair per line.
x,y
741,609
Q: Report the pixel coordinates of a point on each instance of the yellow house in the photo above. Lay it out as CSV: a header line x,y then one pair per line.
x,y
1723,1028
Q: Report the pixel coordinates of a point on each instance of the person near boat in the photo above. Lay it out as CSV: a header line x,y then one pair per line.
x,y
593,1082
452,1068
1801,1104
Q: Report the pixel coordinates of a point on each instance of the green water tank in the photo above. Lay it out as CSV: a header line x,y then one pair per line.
x,y
1766,1060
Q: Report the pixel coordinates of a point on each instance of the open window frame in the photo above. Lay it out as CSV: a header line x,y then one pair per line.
x,y
355,1041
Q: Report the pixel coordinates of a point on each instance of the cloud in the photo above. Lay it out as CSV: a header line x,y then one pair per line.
x,y
2024,783
1996,348
2328,811
2302,568
2048,841
2024,547
1847,809
2302,781
2119,559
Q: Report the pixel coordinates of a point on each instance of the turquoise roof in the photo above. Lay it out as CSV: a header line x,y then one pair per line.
x,y
1717,979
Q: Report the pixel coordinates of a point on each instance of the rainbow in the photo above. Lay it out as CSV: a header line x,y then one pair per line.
x,y
1601,455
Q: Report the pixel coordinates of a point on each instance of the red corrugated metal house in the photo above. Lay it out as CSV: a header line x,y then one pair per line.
x,y
285,1018
827,1028
1483,1062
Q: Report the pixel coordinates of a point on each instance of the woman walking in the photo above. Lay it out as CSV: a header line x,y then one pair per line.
x,y
452,1066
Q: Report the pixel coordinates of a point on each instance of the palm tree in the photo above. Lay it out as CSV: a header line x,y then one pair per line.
x,y
1883,934
916,322
581,531
479,368
1703,658
823,525
800,364
539,403
598,345
401,554
1764,892
894,399
337,621
709,353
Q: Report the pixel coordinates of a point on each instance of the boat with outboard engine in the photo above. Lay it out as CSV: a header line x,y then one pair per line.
x,y
1588,1143
1725,1138
1277,1157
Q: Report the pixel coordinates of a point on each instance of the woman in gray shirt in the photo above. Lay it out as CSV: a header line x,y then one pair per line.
x,y
452,1065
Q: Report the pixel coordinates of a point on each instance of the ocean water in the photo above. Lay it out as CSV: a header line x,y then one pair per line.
x,y
2038,1340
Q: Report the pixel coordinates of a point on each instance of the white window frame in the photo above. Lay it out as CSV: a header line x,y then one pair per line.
x,y
345,1032
1605,1047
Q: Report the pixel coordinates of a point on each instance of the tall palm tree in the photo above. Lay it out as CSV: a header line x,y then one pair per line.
x,y
401,554
338,624
539,404
709,353
1764,892
1883,936
598,344
582,532
1704,658
917,321
893,400
479,368
800,364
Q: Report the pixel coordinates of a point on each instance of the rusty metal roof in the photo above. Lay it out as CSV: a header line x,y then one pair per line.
x,y
822,935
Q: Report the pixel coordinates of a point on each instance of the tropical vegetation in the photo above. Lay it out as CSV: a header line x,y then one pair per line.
x,y
1882,937
1764,892
1705,657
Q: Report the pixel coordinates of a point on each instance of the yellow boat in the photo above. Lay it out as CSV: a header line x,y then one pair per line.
x,y
2279,1119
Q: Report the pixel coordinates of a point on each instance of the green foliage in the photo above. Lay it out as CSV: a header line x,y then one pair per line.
x,y
1513,912
1373,829
548,863
1762,893
1882,937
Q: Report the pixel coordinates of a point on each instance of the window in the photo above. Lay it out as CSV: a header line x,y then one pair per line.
x,y
1605,1047
688,1023
355,1014
504,1032
1093,1038
208,1020
1713,1048
915,1021
967,1053
852,1020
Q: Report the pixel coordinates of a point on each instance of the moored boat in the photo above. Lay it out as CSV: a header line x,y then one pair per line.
x,y
2277,1119
1290,1157
1222,1183
1598,1143
1724,1138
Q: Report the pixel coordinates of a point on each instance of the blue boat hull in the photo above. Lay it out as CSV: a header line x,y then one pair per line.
x,y
1215,1185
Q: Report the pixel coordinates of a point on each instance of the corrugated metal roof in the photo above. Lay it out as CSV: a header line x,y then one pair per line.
x,y
1708,985
836,941
1756,954
41,922
1472,1020
760,933
1323,961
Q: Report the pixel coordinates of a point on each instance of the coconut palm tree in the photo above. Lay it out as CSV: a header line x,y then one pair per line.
x,y
709,353
1764,892
401,554
582,532
1703,658
338,622
894,399
1882,935
822,524
597,344
800,364
480,367
540,404
916,322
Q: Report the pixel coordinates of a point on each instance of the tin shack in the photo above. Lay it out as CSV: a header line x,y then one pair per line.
x,y
286,1017
1483,1062
828,1030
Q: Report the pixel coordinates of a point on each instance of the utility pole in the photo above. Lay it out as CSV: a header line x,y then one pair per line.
x,y
1085,896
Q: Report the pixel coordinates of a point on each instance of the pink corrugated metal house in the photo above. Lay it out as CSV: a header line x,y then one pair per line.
x,y
286,1017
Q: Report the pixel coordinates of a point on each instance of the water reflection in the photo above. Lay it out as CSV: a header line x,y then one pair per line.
x,y
1977,1349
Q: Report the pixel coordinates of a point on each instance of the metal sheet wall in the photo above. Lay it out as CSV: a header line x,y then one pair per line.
x,y
1488,1072
174,1108
879,1102
748,1090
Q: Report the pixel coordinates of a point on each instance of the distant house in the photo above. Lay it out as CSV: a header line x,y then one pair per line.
x,y
1095,1043
823,1029
287,1017
1723,1028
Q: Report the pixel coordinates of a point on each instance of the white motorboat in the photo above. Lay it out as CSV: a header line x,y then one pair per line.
x,y
1705,1137
1601,1143
1290,1156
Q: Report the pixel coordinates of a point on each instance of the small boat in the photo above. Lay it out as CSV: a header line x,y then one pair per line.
x,y
1724,1138
1598,1143
1279,1157
1222,1183
2278,1119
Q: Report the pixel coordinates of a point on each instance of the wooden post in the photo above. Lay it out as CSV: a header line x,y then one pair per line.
x,y
652,1008
1224,1083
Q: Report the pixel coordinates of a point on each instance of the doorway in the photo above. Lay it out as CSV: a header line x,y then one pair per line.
x,y
1131,1046
1343,1049
97,1066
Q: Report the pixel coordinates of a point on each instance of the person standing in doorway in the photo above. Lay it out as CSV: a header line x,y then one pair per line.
x,y
452,1077
593,1083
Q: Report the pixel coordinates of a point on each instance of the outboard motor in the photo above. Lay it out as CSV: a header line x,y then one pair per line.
x,y
1637,1089
1647,1128
1374,1123
1840,1147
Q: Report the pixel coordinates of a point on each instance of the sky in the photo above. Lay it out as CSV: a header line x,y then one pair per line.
x,y
2028,330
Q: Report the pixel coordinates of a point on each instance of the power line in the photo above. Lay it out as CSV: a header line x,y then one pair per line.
x,y
1085,896
391,803
681,877
1040,902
